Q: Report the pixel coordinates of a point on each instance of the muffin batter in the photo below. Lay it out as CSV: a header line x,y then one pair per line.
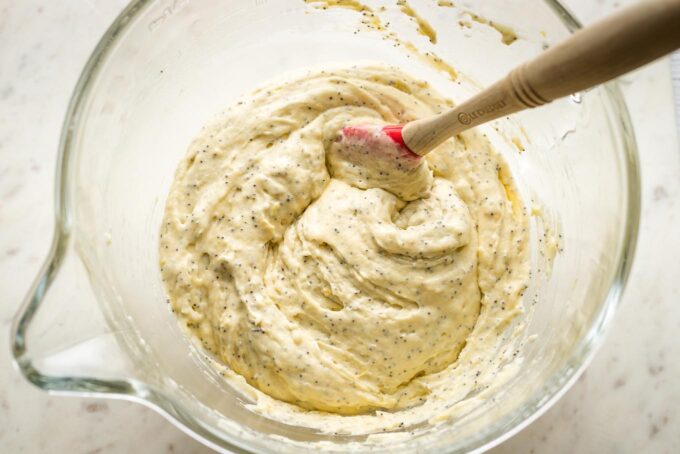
x,y
338,280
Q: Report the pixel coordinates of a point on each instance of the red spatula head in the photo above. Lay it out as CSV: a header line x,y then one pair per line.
x,y
377,139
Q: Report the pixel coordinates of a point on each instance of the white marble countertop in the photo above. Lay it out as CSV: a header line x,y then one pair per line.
x,y
627,401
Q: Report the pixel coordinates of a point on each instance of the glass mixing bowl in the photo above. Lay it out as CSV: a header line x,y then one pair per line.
x,y
95,321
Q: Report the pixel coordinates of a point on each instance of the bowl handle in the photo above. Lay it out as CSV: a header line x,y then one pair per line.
x,y
60,338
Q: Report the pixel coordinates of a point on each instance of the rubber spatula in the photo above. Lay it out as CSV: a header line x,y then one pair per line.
x,y
618,44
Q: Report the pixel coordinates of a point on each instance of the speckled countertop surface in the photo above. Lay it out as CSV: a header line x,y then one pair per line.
x,y
627,401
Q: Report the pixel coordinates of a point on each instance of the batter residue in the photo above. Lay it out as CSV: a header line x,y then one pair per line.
x,y
340,281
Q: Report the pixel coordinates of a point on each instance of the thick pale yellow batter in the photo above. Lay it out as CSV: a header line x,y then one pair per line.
x,y
340,281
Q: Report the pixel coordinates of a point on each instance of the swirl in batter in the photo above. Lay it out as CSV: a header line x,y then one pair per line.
x,y
332,278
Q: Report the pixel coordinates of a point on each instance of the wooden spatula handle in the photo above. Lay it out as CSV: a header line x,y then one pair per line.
x,y
618,44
